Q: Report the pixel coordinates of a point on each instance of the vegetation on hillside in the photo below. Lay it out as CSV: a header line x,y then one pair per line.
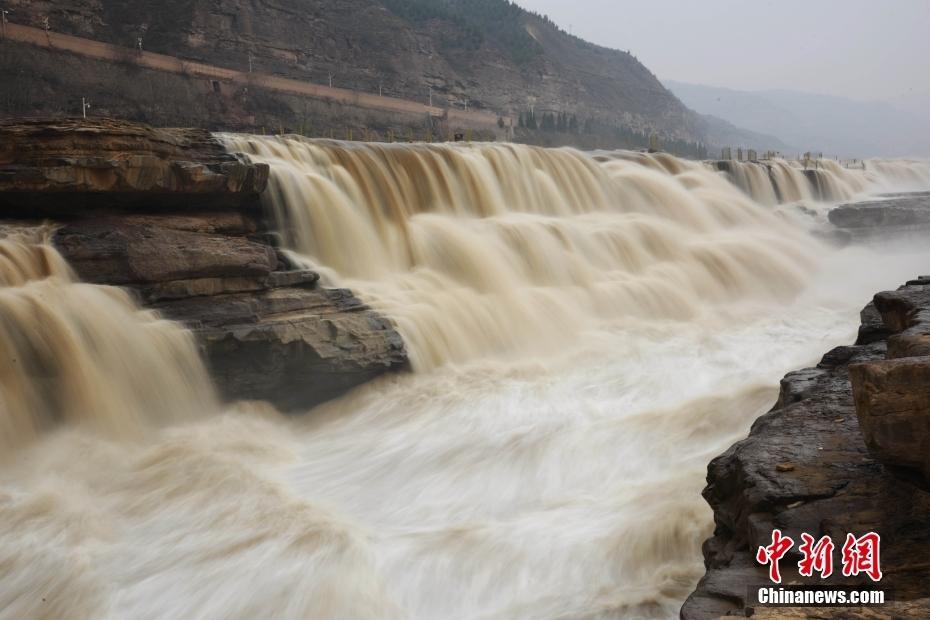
x,y
614,136
498,22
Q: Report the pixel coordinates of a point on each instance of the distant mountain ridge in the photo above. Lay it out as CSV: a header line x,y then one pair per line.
x,y
721,133
831,124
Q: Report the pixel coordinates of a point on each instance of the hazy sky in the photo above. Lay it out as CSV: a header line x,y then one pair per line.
x,y
864,49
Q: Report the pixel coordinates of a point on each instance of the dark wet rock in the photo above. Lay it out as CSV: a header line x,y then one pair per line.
x,y
906,313
293,347
898,215
872,327
899,210
806,467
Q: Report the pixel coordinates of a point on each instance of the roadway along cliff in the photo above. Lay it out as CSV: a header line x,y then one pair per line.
x,y
486,56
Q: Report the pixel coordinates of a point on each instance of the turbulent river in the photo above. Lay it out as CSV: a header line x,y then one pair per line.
x,y
586,333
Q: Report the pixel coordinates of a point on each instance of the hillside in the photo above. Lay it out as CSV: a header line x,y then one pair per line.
x,y
724,133
483,54
833,125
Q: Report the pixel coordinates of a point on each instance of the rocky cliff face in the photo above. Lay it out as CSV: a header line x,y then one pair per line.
x,y
366,45
173,217
815,464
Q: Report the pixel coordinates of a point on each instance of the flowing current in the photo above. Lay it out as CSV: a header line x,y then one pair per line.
x,y
587,332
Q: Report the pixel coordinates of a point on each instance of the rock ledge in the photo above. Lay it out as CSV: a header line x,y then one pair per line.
x,y
170,215
806,467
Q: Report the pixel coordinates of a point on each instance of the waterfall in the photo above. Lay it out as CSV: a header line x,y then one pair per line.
x,y
83,354
488,249
590,330
776,181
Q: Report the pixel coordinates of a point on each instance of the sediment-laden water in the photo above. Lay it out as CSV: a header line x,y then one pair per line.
x,y
586,332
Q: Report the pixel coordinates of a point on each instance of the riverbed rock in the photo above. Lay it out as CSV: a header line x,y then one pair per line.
x,y
293,347
899,215
835,484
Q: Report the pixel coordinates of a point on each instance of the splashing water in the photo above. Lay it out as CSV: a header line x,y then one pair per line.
x,y
589,333
503,249
85,354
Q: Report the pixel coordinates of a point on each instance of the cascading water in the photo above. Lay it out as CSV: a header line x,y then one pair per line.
x,y
499,248
78,353
780,181
589,332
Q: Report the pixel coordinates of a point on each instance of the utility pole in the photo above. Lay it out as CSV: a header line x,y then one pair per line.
x,y
250,62
430,96
48,37
85,105
380,89
330,80
139,43
3,14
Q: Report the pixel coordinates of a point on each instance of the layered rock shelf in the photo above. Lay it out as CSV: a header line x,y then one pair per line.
x,y
834,456
893,215
170,215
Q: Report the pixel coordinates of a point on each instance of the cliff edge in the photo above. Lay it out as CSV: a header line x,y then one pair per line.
x,y
819,465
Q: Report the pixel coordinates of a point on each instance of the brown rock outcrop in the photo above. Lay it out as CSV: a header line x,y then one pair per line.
x,y
290,346
71,166
893,405
805,467
172,216
115,251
